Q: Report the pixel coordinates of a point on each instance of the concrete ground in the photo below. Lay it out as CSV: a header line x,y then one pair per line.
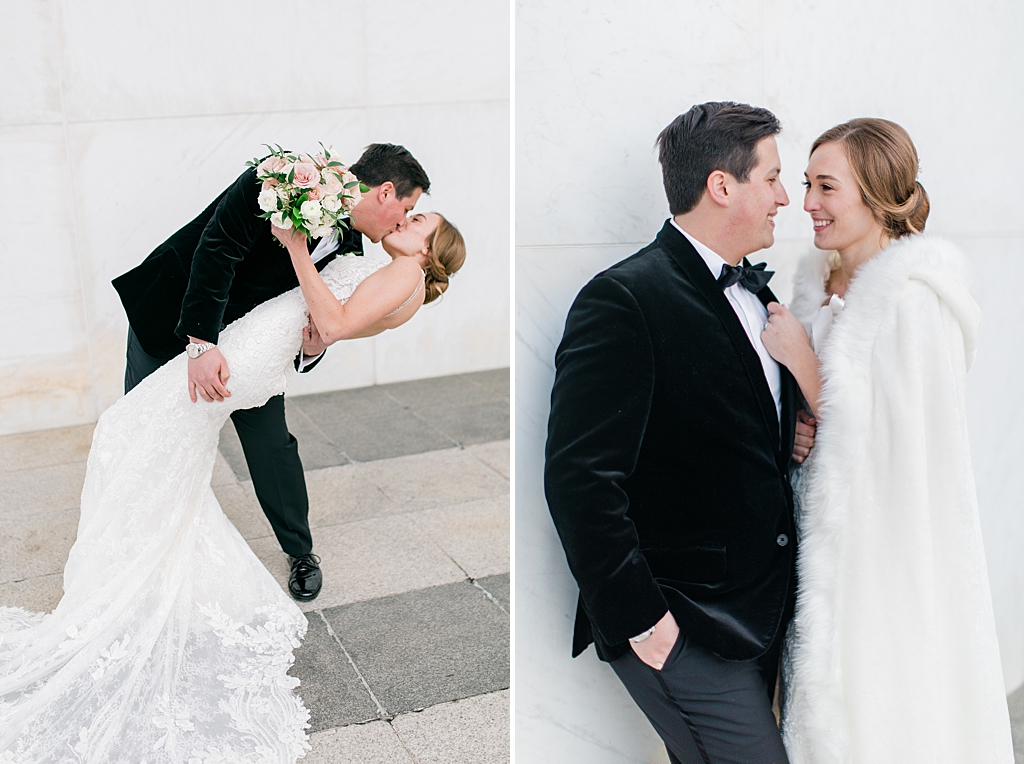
x,y
406,660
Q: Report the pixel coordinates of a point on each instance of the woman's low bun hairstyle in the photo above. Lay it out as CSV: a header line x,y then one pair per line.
x,y
446,256
884,162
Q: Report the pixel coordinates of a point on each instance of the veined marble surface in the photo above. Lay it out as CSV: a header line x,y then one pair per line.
x,y
595,84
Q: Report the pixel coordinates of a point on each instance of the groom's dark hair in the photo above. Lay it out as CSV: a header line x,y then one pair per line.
x,y
718,135
383,162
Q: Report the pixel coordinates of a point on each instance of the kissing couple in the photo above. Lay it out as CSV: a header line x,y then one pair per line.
x,y
172,641
739,485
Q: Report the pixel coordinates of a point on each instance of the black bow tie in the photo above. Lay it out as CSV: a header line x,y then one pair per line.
x,y
754,277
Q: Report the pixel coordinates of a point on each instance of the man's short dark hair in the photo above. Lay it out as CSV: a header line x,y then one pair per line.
x,y
383,162
718,135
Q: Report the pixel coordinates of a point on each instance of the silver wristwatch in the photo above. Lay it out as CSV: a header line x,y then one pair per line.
x,y
641,637
196,349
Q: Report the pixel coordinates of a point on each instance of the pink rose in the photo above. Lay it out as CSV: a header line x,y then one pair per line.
x,y
271,164
332,182
316,193
268,184
306,175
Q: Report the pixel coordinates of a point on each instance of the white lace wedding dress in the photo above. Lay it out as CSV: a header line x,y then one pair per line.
x,y
172,641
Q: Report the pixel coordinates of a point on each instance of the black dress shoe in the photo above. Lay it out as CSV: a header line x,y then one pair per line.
x,y
306,579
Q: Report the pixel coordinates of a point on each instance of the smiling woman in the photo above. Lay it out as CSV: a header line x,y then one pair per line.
x,y
893,583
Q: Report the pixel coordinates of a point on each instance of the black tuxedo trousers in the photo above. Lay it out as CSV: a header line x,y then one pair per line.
x,y
271,452
667,468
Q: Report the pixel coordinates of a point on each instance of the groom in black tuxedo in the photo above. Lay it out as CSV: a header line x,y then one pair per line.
x,y
668,452
218,268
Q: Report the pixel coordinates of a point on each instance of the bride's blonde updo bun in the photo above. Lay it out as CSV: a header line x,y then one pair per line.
x,y
884,162
447,254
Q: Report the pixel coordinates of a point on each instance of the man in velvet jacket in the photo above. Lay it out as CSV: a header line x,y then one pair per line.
x,y
669,442
218,268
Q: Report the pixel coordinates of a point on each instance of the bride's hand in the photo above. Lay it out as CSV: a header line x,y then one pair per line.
x,y
289,238
784,336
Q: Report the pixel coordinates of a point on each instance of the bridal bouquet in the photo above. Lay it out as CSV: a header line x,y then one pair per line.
x,y
313,193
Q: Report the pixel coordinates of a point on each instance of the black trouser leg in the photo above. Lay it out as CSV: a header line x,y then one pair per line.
x,y
139,364
273,458
707,710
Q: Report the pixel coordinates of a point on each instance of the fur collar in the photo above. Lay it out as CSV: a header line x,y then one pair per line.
x,y
878,283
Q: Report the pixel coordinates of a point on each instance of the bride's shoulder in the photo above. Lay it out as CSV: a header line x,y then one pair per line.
x,y
936,262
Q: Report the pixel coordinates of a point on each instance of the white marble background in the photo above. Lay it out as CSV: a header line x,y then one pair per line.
x,y
596,80
120,121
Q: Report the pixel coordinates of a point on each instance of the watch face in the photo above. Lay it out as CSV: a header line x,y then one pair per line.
x,y
192,350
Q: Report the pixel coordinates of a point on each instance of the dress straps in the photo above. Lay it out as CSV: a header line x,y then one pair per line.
x,y
415,292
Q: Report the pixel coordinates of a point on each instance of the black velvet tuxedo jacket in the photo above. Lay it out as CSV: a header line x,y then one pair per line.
x,y
665,472
211,272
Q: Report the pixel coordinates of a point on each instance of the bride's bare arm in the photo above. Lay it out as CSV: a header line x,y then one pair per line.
x,y
365,313
786,341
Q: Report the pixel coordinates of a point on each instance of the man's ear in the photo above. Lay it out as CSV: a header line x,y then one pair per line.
x,y
717,188
385,191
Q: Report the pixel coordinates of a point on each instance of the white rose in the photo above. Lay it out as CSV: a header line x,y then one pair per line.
x,y
311,211
321,232
282,192
268,200
281,221
331,203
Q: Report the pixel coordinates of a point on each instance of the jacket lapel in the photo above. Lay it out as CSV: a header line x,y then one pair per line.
x,y
680,249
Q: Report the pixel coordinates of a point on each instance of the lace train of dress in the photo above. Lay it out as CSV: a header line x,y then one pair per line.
x,y
172,641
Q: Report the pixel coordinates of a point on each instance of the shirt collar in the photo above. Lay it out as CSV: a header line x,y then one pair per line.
x,y
713,260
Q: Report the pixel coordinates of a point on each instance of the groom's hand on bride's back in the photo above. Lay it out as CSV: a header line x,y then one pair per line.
x,y
803,440
207,376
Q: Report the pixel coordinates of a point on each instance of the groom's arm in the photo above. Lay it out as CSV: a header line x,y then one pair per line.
x,y
604,381
229,235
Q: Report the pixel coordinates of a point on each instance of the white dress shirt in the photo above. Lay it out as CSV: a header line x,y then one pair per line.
x,y
324,247
752,315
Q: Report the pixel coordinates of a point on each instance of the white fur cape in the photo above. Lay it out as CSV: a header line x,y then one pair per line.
x,y
892,655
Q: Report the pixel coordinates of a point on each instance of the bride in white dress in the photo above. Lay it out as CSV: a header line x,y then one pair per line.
x,y
149,657
892,655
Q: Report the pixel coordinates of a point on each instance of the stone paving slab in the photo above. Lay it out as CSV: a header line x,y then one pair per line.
x,y
470,731
37,545
1016,704
497,381
38,594
28,492
494,455
365,440
45,448
435,479
421,648
385,421
374,743
475,534
426,395
498,587
330,686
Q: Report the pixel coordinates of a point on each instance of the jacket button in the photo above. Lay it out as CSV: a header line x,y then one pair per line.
x,y
782,540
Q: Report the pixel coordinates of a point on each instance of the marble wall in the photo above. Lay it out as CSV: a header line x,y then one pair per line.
x,y
126,119
595,83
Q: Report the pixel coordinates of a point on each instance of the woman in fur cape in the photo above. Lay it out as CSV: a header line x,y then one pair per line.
x,y
892,655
